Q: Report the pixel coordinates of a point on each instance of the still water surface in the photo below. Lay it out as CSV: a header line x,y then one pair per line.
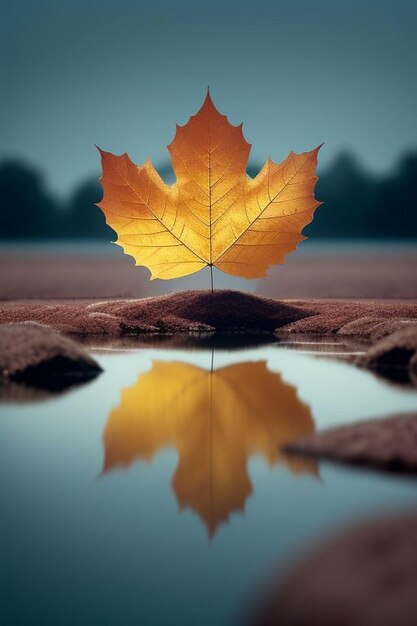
x,y
157,494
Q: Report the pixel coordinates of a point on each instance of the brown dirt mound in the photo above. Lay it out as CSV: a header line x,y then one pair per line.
x,y
205,312
222,310
388,444
365,575
40,357
349,318
394,356
374,327
191,311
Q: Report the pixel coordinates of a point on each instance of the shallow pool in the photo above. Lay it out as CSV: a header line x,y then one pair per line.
x,y
157,494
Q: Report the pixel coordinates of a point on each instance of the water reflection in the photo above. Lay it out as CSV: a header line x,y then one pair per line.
x,y
216,419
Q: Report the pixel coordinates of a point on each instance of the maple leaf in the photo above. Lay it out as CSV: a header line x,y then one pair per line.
x,y
215,214
216,421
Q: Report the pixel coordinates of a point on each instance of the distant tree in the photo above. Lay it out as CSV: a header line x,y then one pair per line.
x,y
253,169
167,173
84,219
398,200
360,205
27,210
356,203
350,201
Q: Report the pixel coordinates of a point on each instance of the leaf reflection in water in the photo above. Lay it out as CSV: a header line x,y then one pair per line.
x,y
216,419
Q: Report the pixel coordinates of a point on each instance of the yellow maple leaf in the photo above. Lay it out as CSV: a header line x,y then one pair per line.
x,y
215,214
216,420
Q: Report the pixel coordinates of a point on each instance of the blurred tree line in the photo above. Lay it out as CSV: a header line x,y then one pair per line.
x,y
357,204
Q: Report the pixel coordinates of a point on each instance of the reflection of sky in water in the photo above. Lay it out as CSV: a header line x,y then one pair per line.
x,y
84,548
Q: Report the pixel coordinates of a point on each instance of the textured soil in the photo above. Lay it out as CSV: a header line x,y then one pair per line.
x,y
394,354
221,311
365,575
388,444
40,357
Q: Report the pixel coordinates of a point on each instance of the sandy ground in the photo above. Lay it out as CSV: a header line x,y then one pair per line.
x,y
387,443
364,574
220,311
318,272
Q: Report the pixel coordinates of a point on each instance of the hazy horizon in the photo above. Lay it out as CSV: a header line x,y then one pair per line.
x,y
164,169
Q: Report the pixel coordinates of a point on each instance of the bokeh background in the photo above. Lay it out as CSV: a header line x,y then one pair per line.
x,y
121,74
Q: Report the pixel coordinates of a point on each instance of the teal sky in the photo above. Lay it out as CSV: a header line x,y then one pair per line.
x,y
120,74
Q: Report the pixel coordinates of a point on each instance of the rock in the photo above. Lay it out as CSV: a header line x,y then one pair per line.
x,y
413,369
393,355
20,393
41,357
373,327
388,327
104,323
363,326
349,318
366,575
388,444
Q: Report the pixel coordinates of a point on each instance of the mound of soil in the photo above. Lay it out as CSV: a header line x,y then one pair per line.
x,y
222,310
395,356
365,575
359,320
183,312
40,357
388,444
207,312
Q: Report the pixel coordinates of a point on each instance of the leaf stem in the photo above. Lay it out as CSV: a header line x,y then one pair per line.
x,y
211,278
